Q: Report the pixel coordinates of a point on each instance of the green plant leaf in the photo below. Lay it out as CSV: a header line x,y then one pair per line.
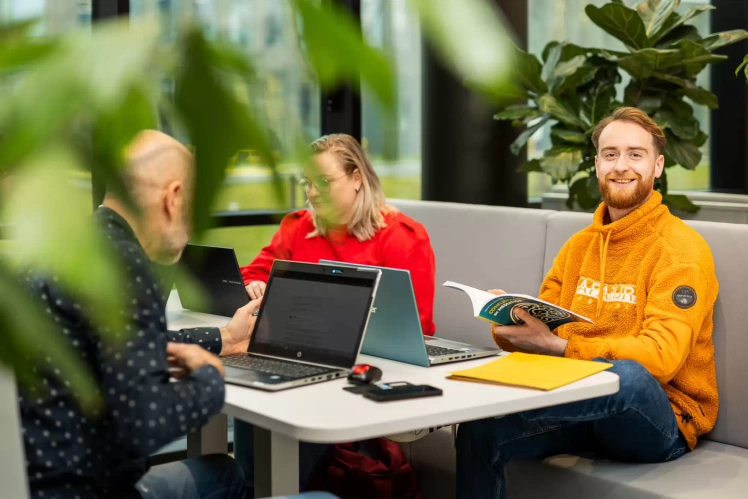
x,y
683,32
527,71
530,166
472,37
679,202
337,51
744,64
44,213
684,127
551,105
35,342
675,20
621,22
598,101
561,163
700,139
113,132
517,112
218,125
571,136
701,96
554,57
16,57
690,90
86,78
573,73
684,152
520,141
568,50
654,13
643,63
696,57
723,39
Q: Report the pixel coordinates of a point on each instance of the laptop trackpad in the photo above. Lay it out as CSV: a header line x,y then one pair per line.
x,y
249,376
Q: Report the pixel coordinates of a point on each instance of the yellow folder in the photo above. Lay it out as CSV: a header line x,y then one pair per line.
x,y
532,371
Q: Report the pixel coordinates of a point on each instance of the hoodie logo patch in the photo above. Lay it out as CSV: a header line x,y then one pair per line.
x,y
684,297
612,293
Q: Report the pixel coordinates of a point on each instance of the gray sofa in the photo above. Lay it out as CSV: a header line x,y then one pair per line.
x,y
513,249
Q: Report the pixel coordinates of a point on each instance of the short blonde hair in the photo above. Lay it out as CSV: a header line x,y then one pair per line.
x,y
370,208
636,116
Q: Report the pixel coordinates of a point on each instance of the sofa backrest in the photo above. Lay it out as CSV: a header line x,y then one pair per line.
x,y
12,459
729,244
481,246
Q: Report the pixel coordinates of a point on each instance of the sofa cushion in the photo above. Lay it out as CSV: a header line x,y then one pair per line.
x,y
712,470
484,247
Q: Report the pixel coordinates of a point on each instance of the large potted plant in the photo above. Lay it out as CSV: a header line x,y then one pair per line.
x,y
574,87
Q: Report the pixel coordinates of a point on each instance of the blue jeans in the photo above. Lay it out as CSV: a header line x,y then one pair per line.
x,y
637,424
244,451
215,476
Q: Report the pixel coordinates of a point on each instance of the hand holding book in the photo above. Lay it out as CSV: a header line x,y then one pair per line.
x,y
528,322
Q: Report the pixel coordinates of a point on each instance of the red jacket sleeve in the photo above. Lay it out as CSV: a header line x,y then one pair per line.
x,y
280,248
408,247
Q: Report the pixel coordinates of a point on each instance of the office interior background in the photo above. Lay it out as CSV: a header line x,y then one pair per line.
x,y
418,155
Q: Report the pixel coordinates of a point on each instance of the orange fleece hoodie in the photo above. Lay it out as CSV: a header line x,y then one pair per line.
x,y
656,306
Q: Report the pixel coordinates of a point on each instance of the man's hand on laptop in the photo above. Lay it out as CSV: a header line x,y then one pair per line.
x,y
235,336
533,336
256,289
187,358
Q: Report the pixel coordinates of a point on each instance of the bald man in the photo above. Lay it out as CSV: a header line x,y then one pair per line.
x,y
75,454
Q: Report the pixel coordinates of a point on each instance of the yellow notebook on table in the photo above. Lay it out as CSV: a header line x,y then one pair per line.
x,y
532,371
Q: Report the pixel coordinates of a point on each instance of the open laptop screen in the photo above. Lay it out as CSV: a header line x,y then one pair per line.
x,y
314,314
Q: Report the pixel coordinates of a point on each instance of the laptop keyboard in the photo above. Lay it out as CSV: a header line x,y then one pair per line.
x,y
434,351
274,366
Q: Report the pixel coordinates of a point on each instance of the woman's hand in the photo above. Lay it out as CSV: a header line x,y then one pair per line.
x,y
256,289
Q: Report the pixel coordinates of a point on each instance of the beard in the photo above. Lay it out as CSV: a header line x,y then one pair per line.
x,y
630,199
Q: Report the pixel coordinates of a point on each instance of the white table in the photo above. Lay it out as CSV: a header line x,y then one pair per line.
x,y
325,413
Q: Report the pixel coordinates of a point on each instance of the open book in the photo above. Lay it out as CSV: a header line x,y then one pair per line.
x,y
501,309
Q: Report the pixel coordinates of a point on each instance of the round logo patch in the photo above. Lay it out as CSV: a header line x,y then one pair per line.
x,y
684,297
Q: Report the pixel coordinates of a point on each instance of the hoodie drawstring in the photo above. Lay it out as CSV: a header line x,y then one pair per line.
x,y
603,258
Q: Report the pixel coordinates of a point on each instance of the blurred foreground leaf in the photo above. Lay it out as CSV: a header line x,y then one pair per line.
x,y
339,54
471,37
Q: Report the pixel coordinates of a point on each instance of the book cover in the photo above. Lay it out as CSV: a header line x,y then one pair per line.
x,y
501,309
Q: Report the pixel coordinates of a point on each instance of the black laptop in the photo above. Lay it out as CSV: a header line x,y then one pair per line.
x,y
310,326
216,272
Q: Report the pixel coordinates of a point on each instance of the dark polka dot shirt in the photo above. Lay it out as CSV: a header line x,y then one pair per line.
x,y
70,454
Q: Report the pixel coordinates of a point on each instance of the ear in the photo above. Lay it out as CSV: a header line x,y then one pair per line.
x,y
173,200
357,180
659,166
597,166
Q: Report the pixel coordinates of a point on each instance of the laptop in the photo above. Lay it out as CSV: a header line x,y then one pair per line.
x,y
395,331
216,272
309,328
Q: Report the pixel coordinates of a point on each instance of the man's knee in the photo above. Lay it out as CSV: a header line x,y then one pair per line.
x,y
635,382
222,467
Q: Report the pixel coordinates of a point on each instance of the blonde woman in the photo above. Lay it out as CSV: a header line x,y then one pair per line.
x,y
350,221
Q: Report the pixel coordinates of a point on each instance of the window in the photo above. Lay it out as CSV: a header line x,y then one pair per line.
x,y
551,20
394,146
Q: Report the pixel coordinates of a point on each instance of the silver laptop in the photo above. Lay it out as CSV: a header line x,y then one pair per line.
x,y
309,328
395,331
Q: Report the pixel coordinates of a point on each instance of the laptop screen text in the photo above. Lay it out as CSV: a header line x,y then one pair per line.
x,y
313,318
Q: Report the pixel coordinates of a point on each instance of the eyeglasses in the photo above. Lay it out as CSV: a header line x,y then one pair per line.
x,y
321,183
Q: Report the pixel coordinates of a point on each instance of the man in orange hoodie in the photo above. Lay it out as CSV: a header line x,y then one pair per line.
x,y
648,282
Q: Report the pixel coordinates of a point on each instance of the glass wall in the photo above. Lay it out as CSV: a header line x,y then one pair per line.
x,y
551,20
394,142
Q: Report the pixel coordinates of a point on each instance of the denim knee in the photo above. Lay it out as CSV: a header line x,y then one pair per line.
x,y
634,380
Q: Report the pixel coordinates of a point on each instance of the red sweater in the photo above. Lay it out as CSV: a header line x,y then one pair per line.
x,y
403,244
